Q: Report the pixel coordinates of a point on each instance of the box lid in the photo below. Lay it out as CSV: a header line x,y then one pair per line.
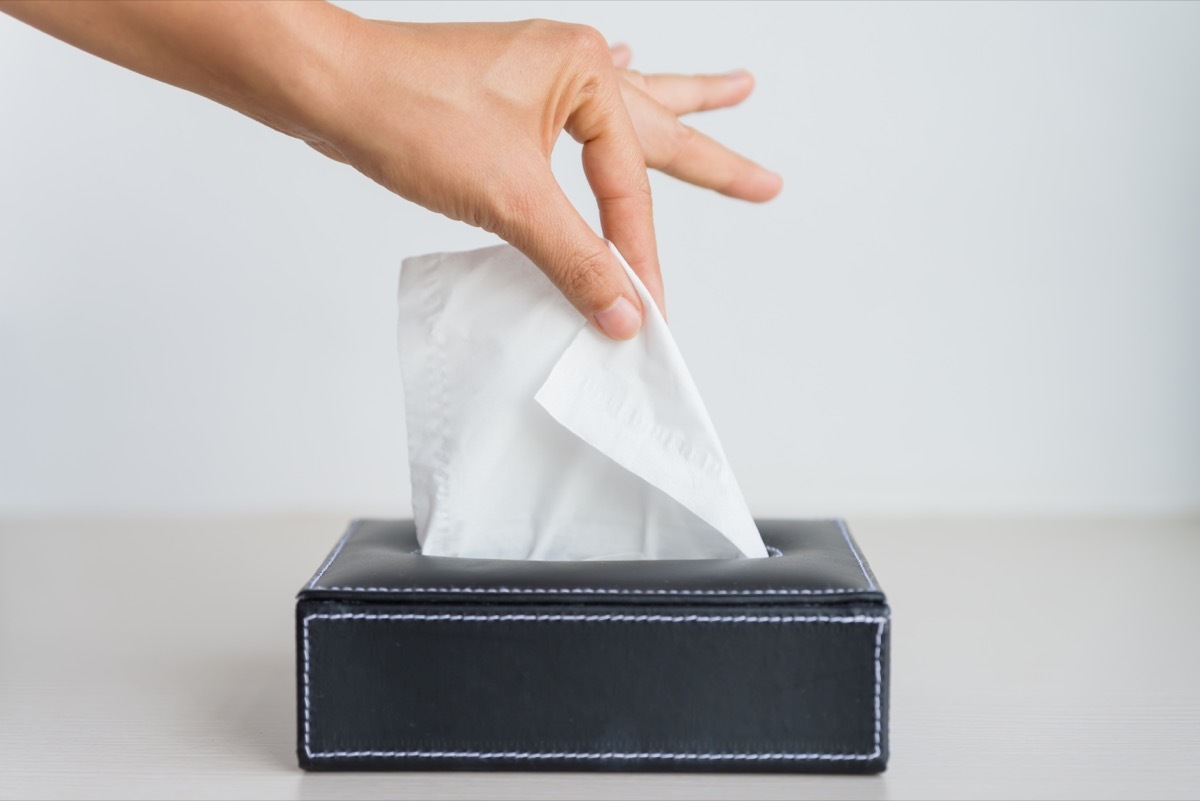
x,y
812,561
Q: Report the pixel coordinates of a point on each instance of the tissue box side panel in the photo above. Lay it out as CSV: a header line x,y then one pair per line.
x,y
783,687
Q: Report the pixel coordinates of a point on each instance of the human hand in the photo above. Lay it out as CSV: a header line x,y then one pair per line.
x,y
471,137
462,119
459,118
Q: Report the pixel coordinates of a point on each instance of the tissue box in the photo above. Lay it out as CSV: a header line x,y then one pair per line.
x,y
411,662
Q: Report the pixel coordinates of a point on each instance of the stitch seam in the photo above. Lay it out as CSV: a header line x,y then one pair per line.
x,y
879,687
585,591
881,623
307,694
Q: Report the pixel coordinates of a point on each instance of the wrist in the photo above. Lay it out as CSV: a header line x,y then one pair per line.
x,y
292,80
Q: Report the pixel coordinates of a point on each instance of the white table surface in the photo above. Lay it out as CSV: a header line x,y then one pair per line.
x,y
1030,659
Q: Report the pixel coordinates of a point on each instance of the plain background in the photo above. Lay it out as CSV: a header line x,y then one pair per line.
x,y
979,292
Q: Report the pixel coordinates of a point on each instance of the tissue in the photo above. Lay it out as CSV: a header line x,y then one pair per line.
x,y
533,436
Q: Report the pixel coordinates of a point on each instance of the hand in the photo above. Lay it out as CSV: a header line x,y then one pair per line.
x,y
462,119
459,118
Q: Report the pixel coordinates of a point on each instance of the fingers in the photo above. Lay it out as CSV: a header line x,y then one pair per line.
x,y
685,153
561,243
685,94
622,55
616,172
654,101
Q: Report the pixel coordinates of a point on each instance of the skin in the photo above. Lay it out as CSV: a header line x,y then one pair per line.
x,y
460,118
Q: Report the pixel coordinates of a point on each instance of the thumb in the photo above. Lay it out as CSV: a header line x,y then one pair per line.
x,y
561,243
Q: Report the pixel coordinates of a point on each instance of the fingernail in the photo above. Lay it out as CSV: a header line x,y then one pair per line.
x,y
620,320
737,74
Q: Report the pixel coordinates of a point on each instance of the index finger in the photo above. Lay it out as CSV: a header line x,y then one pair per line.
x,y
616,173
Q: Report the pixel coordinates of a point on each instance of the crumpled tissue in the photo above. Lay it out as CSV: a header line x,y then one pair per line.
x,y
531,435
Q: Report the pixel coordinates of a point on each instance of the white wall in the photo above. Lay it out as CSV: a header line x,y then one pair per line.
x,y
979,292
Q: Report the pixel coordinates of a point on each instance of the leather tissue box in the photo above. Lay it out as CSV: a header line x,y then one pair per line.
x,y
411,662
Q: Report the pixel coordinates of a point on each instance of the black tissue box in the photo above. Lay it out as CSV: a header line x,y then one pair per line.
x,y
411,662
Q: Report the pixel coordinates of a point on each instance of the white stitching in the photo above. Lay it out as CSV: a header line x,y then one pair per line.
x,y
585,591
585,756
846,533
593,618
599,755
307,703
879,686
312,584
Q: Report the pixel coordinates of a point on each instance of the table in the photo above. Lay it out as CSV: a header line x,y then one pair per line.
x,y
1036,658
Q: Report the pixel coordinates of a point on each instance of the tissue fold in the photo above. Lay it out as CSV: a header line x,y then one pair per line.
x,y
533,436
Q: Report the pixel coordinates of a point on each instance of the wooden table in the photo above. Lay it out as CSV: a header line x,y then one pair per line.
x,y
143,659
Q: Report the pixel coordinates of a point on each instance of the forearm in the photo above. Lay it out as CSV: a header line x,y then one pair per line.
x,y
266,60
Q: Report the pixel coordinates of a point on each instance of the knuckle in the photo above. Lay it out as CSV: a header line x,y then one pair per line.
x,y
587,43
681,136
586,276
678,138
665,141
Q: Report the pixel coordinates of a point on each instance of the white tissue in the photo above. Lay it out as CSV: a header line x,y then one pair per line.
x,y
533,436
